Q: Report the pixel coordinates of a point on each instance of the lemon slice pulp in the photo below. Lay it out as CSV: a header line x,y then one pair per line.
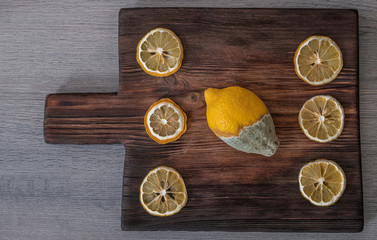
x,y
322,182
163,192
318,60
165,121
160,52
322,118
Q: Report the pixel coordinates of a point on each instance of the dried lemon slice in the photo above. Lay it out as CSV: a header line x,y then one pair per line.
x,y
163,192
322,118
322,182
318,60
165,121
160,52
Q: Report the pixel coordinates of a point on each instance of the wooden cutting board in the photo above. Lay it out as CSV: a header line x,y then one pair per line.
x,y
228,190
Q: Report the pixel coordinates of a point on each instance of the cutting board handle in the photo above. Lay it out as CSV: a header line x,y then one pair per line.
x,y
82,118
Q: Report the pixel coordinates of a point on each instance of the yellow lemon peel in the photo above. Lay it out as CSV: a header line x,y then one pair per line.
x,y
226,102
241,119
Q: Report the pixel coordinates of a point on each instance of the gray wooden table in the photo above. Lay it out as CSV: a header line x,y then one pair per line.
x,y
74,192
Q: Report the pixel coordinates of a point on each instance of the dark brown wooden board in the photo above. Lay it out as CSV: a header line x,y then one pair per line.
x,y
228,190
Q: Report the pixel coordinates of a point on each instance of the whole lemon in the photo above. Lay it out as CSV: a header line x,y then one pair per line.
x,y
241,119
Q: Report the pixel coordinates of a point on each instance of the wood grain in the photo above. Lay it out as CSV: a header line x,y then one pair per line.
x,y
252,48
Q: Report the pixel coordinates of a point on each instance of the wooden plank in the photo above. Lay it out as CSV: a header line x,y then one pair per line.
x,y
253,48
92,118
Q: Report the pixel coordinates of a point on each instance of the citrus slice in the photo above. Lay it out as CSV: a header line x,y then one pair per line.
x,y
163,192
322,182
160,52
318,60
322,118
165,121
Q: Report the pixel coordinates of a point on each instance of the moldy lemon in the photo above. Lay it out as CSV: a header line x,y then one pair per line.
x,y
241,119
